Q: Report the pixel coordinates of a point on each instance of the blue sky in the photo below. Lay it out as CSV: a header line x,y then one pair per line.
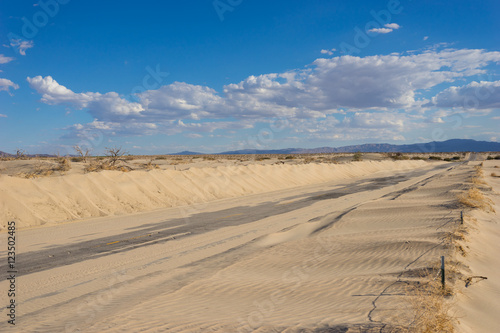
x,y
165,76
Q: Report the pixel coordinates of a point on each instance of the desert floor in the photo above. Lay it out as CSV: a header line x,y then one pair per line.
x,y
247,246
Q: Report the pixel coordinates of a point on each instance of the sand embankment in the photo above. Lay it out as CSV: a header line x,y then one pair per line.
x,y
478,304
39,201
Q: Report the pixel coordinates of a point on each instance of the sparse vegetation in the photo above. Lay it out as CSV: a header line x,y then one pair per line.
x,y
115,154
473,197
493,157
150,165
289,157
399,156
437,158
83,153
493,174
20,154
358,156
430,308
64,164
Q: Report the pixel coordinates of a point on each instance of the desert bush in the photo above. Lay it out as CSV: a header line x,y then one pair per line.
x,y
115,154
447,159
399,156
475,199
83,153
151,166
417,158
289,157
64,164
493,174
456,158
437,158
357,157
431,309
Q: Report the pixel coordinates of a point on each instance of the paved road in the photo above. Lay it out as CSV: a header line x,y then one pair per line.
x,y
142,235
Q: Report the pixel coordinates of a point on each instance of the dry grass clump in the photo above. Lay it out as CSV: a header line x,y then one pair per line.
x,y
39,170
431,310
429,307
64,164
493,174
151,166
99,165
475,199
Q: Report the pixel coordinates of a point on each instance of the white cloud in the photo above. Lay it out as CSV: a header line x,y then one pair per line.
x,y
475,95
389,27
380,30
4,59
375,120
394,26
426,38
329,52
3,116
22,45
5,84
102,106
307,96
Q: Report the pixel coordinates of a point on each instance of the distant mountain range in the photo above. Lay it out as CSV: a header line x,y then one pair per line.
x,y
454,145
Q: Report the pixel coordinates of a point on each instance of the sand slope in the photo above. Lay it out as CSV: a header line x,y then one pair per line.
x,y
478,305
50,200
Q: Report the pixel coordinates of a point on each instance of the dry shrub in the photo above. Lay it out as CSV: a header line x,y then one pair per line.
x,y
99,165
151,166
479,170
431,309
475,199
427,309
477,181
64,164
494,175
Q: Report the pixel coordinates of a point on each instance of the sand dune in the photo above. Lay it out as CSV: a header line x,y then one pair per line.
x,y
39,201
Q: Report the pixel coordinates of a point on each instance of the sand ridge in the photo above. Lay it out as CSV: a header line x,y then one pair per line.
x,y
34,202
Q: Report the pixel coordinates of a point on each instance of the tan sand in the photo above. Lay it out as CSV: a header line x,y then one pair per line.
x,y
313,268
340,264
479,304
39,201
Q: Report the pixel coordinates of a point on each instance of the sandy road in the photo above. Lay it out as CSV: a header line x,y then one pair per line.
x,y
74,275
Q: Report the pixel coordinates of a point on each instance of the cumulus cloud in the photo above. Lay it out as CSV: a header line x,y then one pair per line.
x,y
329,52
392,26
5,84
389,27
107,106
22,45
4,59
309,96
475,95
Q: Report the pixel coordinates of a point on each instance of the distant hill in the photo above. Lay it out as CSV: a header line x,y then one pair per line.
x,y
186,152
454,145
2,154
